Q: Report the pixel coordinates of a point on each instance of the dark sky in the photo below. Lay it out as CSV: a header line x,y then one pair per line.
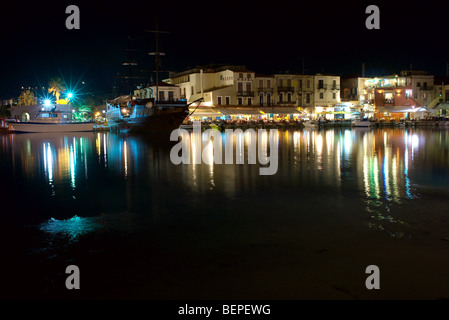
x,y
266,36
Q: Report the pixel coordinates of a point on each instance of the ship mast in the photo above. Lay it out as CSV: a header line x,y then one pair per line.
x,y
130,64
157,58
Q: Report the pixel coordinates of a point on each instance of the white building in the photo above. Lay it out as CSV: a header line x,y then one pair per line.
x,y
326,96
167,92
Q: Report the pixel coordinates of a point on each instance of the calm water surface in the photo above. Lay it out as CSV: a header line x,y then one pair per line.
x,y
139,226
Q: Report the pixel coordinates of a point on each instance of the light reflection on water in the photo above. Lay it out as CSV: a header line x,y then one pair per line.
x,y
384,169
72,228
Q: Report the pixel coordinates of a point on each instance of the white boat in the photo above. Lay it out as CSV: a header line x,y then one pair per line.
x,y
310,124
364,124
53,121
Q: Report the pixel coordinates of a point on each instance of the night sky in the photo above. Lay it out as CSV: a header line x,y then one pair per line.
x,y
266,36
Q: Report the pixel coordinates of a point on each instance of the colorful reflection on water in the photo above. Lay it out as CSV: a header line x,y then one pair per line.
x,y
378,170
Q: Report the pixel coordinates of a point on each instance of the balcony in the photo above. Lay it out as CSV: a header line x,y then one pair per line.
x,y
286,89
427,88
245,93
265,90
335,88
322,87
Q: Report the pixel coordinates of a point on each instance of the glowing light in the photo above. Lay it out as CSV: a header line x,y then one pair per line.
x,y
72,167
69,95
73,228
125,152
47,102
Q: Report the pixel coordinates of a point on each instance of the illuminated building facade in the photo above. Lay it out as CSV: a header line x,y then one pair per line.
x,y
404,96
166,91
218,86
353,90
264,87
286,86
306,92
326,96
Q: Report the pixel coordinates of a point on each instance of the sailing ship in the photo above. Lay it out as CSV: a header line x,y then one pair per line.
x,y
151,111
146,115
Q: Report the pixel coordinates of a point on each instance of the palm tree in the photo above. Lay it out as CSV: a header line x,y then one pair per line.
x,y
55,87
26,98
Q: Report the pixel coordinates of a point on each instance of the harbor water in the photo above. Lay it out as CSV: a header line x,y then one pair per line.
x,y
140,227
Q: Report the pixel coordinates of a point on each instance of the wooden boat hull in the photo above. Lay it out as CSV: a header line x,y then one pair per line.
x,y
32,127
161,123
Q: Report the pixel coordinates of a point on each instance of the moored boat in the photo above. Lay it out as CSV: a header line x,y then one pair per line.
x,y
143,115
52,121
5,126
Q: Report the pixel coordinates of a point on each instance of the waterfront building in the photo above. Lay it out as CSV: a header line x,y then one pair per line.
x,y
441,88
166,91
234,92
306,93
354,91
285,89
327,96
401,96
218,86
264,87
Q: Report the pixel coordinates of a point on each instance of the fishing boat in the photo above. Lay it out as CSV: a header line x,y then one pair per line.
x,y
5,126
52,120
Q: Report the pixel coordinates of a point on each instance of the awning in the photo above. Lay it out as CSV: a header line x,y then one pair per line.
x,y
239,111
205,112
398,109
281,110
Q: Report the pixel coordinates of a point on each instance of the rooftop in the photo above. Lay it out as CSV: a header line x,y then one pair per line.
x,y
212,69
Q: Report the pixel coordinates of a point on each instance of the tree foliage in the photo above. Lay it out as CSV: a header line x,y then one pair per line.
x,y
26,98
56,86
